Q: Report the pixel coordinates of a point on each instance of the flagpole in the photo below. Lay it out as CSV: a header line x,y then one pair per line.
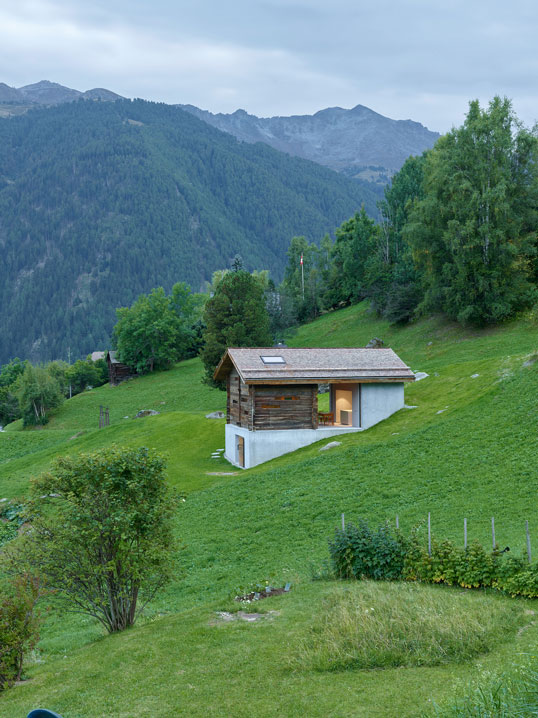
x,y
302,274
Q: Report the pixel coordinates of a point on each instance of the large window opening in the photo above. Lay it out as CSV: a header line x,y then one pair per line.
x,y
343,407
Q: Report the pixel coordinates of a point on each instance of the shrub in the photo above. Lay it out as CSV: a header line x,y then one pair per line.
x,y
102,536
19,627
383,554
398,624
360,552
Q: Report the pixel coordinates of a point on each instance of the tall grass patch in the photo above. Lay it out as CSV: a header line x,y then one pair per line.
x,y
382,625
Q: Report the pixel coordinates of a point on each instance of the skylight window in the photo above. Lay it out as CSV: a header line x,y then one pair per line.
x,y
272,360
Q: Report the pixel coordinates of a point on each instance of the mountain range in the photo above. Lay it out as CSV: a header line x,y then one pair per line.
x,y
47,93
358,142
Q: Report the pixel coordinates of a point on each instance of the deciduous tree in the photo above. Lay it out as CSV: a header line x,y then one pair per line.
x,y
102,536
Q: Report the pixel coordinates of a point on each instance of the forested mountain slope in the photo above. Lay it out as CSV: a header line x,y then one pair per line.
x,y
102,201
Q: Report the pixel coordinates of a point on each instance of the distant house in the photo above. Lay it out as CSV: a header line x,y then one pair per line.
x,y
118,372
95,356
272,396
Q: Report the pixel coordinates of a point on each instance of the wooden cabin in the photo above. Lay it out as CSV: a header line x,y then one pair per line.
x,y
272,396
118,372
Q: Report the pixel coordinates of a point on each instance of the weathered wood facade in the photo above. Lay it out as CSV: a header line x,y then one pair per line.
x,y
118,372
271,406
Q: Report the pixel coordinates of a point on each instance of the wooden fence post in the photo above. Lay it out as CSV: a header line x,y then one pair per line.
x,y
343,523
397,522
493,531
465,533
528,541
429,536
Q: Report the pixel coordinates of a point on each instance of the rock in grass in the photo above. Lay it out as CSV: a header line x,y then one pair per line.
x,y
475,376
420,375
146,412
215,415
330,445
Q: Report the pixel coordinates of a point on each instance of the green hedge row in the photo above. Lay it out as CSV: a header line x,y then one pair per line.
x,y
383,553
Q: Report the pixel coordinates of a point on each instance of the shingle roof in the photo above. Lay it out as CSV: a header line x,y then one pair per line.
x,y
314,365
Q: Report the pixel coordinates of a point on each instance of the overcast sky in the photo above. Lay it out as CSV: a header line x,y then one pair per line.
x,y
407,59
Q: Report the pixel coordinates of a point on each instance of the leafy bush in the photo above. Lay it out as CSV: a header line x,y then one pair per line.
x,y
11,518
383,554
360,552
398,624
102,532
19,627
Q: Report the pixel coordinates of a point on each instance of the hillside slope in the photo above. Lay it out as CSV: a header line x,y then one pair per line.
x,y
102,201
468,449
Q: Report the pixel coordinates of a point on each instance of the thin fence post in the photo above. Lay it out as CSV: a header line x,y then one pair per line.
x,y
493,531
429,536
528,541
465,533
397,522
343,523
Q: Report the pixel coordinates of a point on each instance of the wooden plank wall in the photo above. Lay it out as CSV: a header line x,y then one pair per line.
x,y
239,402
285,407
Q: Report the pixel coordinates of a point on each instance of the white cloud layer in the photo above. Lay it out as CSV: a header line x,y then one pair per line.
x,y
403,58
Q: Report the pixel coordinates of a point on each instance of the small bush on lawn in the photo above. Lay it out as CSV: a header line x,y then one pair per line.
x,y
359,552
19,627
385,625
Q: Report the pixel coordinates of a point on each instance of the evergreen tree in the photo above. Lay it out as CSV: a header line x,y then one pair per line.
x,y
354,260
236,316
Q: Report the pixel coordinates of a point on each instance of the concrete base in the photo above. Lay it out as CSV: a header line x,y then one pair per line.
x,y
377,402
264,445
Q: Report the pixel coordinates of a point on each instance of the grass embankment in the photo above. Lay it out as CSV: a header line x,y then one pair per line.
x,y
475,459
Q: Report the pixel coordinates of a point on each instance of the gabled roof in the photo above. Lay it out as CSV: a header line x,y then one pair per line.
x,y
313,366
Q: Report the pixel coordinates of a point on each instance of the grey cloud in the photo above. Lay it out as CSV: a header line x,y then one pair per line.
x,y
403,58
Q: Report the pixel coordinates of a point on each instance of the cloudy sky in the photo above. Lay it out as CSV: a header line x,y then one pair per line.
x,y
417,59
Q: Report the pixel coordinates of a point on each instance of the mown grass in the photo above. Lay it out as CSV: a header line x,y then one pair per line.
x,y
476,459
190,663
383,625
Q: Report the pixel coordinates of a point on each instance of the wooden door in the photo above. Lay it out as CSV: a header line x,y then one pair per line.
x,y
241,451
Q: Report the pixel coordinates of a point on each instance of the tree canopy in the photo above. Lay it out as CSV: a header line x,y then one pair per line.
x,y
473,234
106,547
236,316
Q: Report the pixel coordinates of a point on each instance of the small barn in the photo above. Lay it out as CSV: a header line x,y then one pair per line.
x,y
118,372
272,396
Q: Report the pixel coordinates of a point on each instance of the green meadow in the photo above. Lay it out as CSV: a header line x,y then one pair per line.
x,y
468,449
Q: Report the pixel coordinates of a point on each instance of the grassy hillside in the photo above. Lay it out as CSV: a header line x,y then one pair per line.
x,y
475,459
